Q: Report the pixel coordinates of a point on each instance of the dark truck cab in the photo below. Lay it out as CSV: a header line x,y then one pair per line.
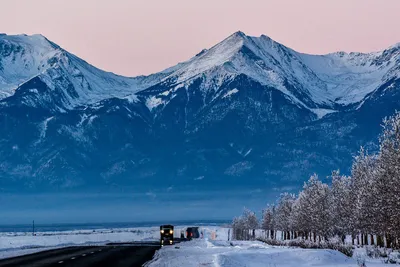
x,y
166,234
192,232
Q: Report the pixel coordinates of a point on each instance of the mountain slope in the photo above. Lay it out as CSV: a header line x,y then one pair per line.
x,y
248,112
326,80
65,80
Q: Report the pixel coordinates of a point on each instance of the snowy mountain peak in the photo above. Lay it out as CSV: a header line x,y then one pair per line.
x,y
23,57
70,80
240,33
209,59
312,81
35,41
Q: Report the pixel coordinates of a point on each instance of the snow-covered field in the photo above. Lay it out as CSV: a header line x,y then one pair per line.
x,y
213,250
15,244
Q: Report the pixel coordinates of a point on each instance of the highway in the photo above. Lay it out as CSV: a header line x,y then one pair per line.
x,y
115,255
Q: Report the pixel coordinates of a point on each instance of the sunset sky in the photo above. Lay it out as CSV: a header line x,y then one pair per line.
x,y
132,37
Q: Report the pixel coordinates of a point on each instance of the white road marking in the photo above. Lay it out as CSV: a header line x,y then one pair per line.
x,y
92,252
73,258
60,262
83,255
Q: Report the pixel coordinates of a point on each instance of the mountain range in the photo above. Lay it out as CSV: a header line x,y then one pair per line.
x,y
248,112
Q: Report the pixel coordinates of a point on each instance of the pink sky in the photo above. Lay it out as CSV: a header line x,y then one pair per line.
x,y
132,37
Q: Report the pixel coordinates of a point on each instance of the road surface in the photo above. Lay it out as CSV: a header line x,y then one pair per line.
x,y
113,255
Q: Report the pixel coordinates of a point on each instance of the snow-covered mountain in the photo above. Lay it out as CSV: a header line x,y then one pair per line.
x,y
74,82
247,108
314,81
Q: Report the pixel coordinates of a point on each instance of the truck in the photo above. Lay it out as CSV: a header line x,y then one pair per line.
x,y
166,234
192,232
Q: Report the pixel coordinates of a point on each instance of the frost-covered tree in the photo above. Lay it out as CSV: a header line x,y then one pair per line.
x,y
363,195
365,204
251,221
314,207
341,206
284,214
299,225
268,221
387,180
244,226
302,209
238,227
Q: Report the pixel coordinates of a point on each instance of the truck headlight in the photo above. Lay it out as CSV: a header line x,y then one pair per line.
x,y
171,232
162,231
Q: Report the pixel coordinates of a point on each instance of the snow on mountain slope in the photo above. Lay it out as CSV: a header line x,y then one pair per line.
x,y
351,76
216,56
278,115
258,58
317,82
314,81
23,58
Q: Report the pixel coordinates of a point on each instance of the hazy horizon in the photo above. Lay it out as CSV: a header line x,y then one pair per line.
x,y
103,207
135,37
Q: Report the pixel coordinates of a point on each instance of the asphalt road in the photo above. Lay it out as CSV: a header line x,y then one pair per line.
x,y
124,255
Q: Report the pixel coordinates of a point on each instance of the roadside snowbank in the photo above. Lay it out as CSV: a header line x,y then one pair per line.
x,y
245,253
250,254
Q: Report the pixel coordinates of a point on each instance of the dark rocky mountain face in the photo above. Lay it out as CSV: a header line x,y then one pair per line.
x,y
218,129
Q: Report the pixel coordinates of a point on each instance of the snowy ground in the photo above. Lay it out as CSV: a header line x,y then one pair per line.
x,y
222,253
212,250
249,254
15,244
